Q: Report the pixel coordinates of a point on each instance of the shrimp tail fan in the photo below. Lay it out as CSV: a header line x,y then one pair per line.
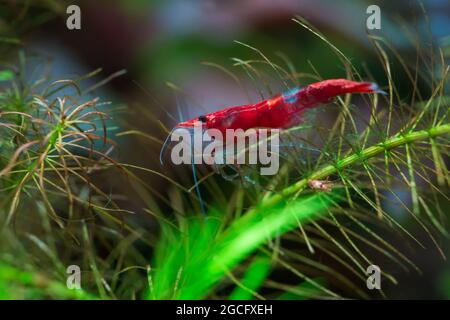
x,y
366,87
342,86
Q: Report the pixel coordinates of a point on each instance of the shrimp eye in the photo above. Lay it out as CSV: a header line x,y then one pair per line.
x,y
202,119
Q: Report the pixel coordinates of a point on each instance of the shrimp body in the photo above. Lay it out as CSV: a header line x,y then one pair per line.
x,y
282,111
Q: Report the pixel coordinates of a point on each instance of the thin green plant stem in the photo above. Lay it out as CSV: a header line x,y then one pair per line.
x,y
365,154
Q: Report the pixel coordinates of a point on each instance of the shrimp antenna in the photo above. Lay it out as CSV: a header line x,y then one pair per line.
x,y
197,187
180,113
164,146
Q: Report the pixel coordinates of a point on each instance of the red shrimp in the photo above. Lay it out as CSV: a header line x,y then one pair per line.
x,y
282,111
